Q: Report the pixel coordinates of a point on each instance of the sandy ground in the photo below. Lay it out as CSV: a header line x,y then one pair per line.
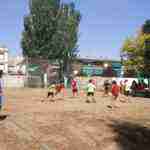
x,y
26,123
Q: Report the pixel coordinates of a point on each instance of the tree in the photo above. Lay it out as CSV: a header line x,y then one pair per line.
x,y
146,32
146,27
66,35
132,53
39,28
70,36
51,31
135,51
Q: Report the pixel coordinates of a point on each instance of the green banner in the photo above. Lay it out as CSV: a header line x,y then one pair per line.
x,y
34,69
91,71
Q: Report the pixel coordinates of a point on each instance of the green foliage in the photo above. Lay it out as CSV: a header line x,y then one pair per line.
x,y
51,31
147,56
39,27
135,51
132,54
146,27
66,35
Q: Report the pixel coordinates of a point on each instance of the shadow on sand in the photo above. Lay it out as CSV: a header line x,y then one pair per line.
x,y
131,136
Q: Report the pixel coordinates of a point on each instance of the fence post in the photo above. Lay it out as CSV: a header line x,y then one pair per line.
x,y
45,80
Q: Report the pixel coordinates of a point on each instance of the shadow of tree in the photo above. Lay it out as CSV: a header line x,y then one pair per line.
x,y
131,136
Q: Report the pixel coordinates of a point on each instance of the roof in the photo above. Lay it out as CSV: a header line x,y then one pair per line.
x,y
92,60
12,61
2,50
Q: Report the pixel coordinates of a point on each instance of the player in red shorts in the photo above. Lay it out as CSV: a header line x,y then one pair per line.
x,y
115,90
74,87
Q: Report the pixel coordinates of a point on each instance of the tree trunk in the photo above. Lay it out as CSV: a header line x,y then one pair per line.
x,y
66,67
60,70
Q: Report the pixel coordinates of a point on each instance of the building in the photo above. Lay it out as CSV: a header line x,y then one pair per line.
x,y
9,64
16,65
4,59
97,67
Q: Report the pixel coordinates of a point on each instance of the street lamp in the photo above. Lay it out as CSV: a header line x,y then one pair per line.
x,y
106,65
75,72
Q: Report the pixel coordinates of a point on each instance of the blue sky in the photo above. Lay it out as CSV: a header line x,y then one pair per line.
x,y
104,26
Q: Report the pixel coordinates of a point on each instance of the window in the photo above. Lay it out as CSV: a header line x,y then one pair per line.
x,y
1,56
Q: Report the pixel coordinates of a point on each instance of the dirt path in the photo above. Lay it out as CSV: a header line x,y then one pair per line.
x,y
72,124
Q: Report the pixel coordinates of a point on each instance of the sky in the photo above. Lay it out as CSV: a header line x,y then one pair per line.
x,y
104,26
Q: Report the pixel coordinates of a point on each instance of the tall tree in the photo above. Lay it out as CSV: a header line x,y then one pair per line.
x,y
70,36
39,28
51,31
66,37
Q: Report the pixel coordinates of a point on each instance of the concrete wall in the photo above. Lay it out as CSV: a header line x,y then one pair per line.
x,y
20,81
99,81
16,81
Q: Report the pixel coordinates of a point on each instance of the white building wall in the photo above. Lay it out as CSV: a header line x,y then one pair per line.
x,y
6,68
14,81
1,67
1,57
4,60
6,57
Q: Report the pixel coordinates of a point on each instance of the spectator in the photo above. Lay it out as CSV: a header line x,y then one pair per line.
x,y
134,87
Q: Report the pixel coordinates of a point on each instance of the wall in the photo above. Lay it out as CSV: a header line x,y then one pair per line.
x,y
19,81
16,81
34,82
99,81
